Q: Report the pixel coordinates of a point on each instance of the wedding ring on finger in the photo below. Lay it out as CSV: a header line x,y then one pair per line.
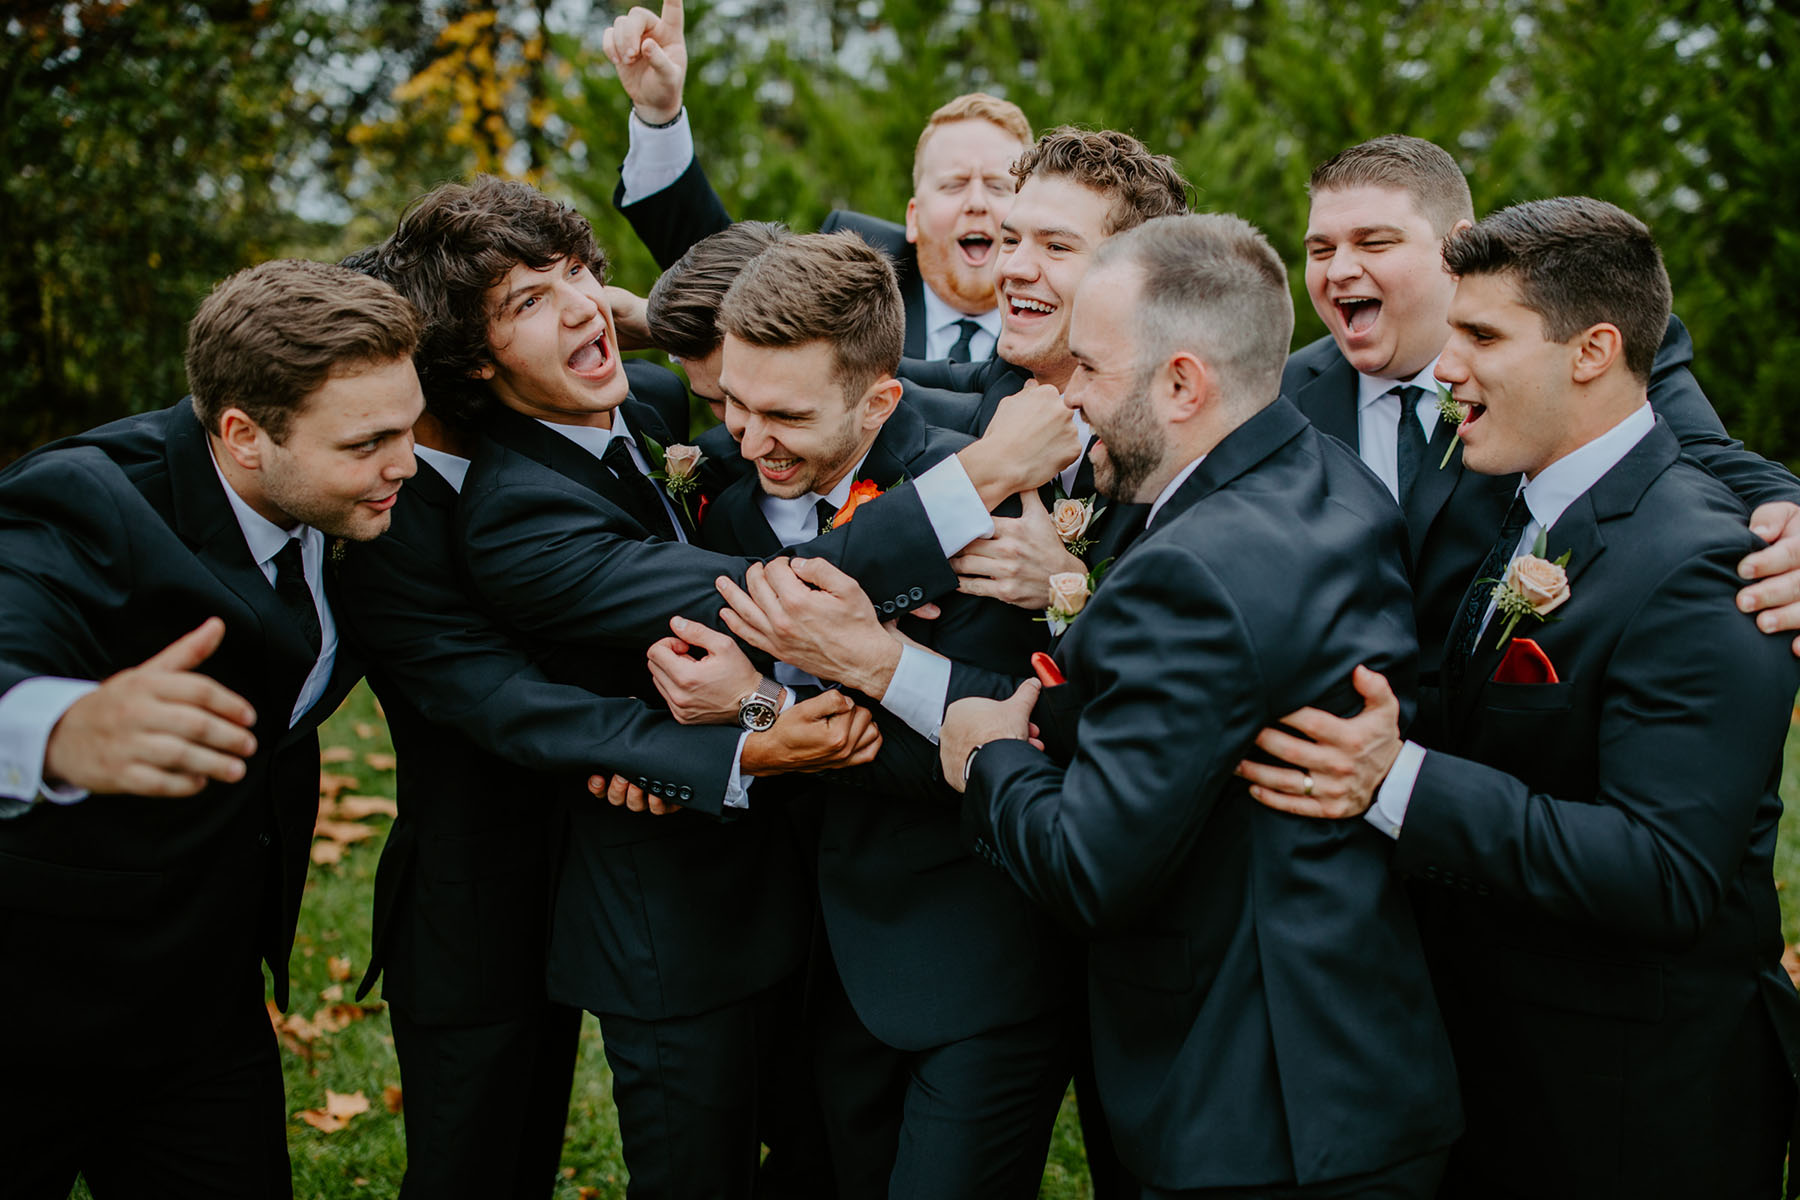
x,y
1306,787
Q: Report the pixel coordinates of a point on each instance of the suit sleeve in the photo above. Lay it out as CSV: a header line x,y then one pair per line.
x,y
452,662
943,374
1171,704
1690,731
1676,396
670,221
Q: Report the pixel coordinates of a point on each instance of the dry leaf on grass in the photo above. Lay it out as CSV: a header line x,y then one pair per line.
x,y
338,969
1790,959
344,831
337,1112
365,730
391,1098
337,754
380,762
332,994
327,853
355,808
331,783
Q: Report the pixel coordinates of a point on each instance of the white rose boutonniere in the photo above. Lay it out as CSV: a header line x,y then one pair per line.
x,y
1532,587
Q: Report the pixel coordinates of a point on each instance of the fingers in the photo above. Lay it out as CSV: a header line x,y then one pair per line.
x,y
1027,696
1031,504
658,58
201,692
830,702
704,636
742,615
1374,688
1300,753
1773,520
673,18
190,649
664,653
1299,806
821,574
596,786
927,612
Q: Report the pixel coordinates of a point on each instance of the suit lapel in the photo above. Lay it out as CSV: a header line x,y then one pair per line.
x,y
741,526
912,291
1433,486
1242,449
1328,400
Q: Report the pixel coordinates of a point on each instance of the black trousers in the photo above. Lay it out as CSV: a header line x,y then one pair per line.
x,y
485,1105
1414,1179
693,1095
203,1119
966,1121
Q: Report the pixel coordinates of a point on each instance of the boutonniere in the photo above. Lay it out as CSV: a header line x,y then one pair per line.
x,y
1073,519
677,468
1069,594
861,492
1454,412
1532,587
338,547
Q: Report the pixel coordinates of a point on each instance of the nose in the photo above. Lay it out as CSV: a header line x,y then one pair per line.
x,y
975,197
1344,265
578,307
1017,263
1452,366
403,465
750,431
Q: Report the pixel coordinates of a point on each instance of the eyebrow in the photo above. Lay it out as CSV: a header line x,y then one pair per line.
x,y
1047,231
1362,231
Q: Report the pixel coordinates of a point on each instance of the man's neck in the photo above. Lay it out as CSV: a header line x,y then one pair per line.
x,y
824,487
244,484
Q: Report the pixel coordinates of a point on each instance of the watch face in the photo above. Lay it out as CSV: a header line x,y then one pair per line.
x,y
756,715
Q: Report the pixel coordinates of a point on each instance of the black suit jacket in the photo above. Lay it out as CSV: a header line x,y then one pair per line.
x,y
670,221
1453,514
1261,1008
1595,861
462,894
118,908
932,944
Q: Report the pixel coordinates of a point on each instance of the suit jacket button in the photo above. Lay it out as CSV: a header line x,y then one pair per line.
x,y
262,839
686,793
643,781
887,606
917,595
1431,872
901,601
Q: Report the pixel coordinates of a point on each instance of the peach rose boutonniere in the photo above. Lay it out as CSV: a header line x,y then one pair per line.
x,y
1073,519
1532,587
1069,594
861,492
677,468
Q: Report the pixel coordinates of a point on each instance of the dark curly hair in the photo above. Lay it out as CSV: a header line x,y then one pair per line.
x,y
1142,185
450,247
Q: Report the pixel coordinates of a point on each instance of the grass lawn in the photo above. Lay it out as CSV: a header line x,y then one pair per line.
x,y
365,1158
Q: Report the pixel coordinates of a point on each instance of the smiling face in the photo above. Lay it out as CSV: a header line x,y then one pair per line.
x,y
1516,382
963,191
1047,243
552,347
1111,388
1376,277
788,412
348,449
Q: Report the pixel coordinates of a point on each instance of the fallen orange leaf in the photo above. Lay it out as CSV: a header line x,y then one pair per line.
x,y
380,762
337,1112
344,831
327,853
334,993
355,808
392,1099
364,729
337,754
1791,960
338,969
330,784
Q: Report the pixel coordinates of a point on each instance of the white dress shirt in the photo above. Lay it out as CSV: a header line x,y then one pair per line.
x,y
654,158
1548,496
30,710
1378,421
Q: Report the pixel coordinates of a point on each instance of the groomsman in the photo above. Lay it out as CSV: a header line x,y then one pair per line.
x,y
677,931
945,1053
172,804
1593,835
944,252
1380,212
1262,1019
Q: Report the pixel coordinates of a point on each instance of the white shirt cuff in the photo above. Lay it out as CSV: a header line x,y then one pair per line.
x,y
28,712
1388,813
655,158
953,506
737,791
918,689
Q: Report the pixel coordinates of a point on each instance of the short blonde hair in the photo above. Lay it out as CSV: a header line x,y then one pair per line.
x,y
976,106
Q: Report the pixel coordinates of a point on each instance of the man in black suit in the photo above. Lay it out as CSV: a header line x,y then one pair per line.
x,y
945,1052
1593,835
944,253
482,734
677,931
123,913
1380,211
1262,1018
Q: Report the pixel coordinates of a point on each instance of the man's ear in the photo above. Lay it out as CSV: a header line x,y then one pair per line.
x,y
912,220
242,438
1596,348
1187,384
880,401
484,372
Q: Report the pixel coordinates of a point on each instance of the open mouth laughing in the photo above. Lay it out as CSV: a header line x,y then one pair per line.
x,y
592,359
977,249
1359,313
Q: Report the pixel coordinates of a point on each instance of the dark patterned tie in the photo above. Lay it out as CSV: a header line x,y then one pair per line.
x,y
643,500
1409,439
827,513
967,330
1467,630
296,596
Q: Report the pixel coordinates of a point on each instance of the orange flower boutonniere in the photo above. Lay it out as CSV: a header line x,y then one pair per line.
x,y
860,492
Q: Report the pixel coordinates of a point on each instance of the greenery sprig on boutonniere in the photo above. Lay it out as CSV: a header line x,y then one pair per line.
x,y
677,468
338,546
1454,412
1069,594
1532,587
1073,519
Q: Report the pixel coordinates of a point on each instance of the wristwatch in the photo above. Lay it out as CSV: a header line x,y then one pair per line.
x,y
758,710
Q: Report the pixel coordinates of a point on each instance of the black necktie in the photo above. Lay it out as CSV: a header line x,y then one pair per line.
x,y
1467,629
827,513
967,330
1409,439
642,498
291,587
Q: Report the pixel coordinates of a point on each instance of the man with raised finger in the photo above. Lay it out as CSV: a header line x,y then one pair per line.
x,y
171,801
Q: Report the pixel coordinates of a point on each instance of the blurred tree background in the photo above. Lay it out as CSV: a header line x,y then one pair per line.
x,y
152,147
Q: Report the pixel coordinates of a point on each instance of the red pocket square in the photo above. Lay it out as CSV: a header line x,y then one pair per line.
x,y
1525,662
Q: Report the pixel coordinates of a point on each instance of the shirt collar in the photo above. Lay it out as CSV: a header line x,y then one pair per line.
x,y
264,538
592,438
1370,388
939,315
1562,482
1162,497
453,467
797,511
